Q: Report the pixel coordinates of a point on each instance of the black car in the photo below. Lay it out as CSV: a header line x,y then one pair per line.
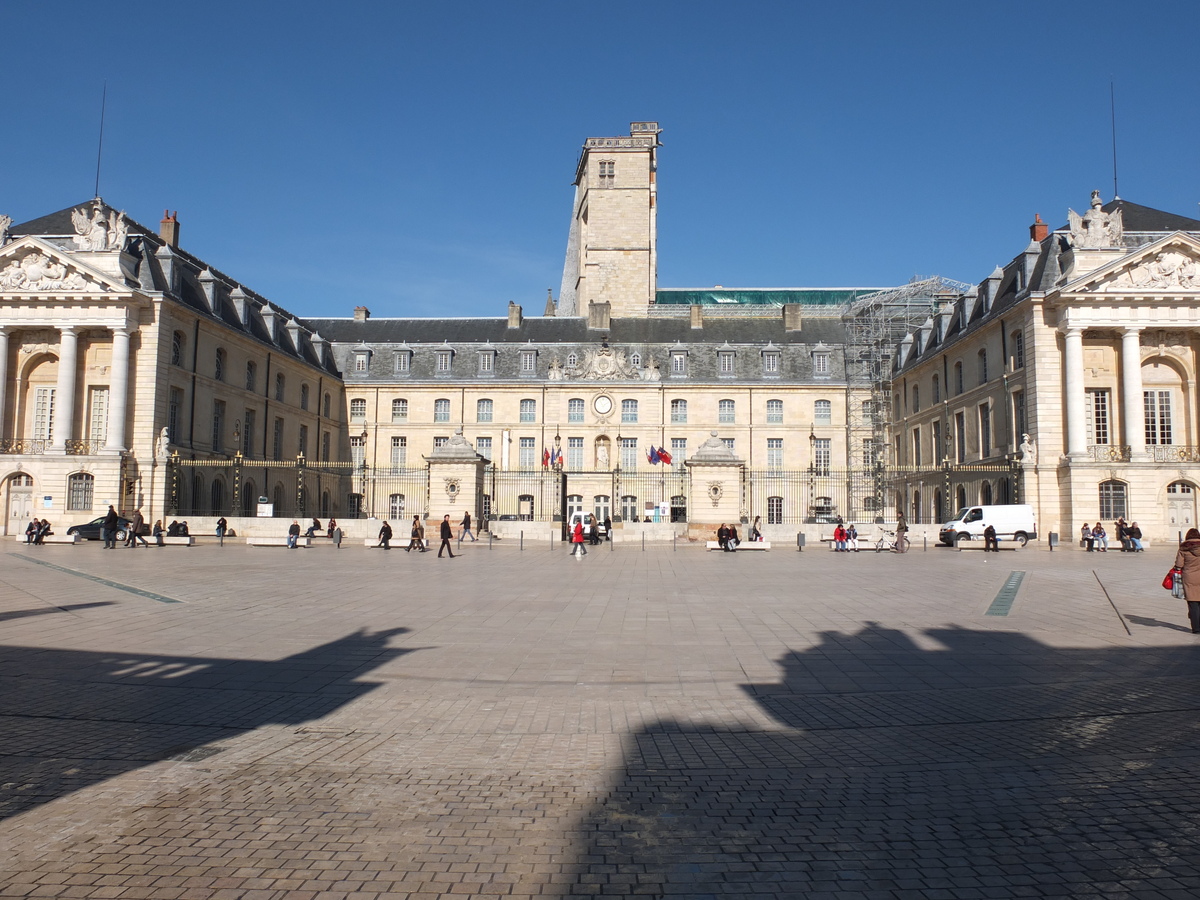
x,y
91,530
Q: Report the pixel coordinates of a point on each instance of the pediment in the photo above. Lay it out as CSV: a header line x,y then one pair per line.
x,y
33,266
1167,266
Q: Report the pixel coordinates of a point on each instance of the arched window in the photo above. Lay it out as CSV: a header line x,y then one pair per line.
x,y
635,360
679,508
774,412
358,409
937,390
251,375
325,503
774,510
572,360
678,412
823,412
399,410
217,495
177,344
1112,500
985,494
574,504
983,372
629,508
277,498
725,412
80,488
602,507
483,410
958,378
249,497
197,495
327,402
916,507
916,398
304,396
219,365
961,496
280,382
441,410
629,411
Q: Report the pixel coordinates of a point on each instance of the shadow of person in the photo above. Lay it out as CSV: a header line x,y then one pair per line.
x,y
990,760
74,718
1157,623
49,610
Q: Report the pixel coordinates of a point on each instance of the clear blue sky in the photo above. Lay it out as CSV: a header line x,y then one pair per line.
x,y
417,158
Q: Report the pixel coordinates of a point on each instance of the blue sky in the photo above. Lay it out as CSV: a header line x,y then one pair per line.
x,y
417,158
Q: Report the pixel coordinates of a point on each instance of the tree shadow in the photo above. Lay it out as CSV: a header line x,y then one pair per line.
x,y
991,766
71,719
47,610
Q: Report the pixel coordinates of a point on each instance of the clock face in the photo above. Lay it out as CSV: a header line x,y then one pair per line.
x,y
603,405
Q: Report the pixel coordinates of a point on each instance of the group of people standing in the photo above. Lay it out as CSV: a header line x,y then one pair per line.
x,y
417,535
1095,538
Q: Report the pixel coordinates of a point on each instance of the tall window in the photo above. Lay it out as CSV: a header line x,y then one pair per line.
x,y
916,398
218,424
399,453
280,383
277,444
174,411
43,414
678,450
358,409
725,412
774,453
1019,414
304,396
983,372
937,390
774,412
575,453
608,173
774,510
937,441
575,410
251,376
441,410
483,446
1158,417
985,430
629,453
402,363
396,506
1018,350
399,410
960,437
629,411
328,400
486,359
527,450
916,446
247,432
770,363
528,410
820,363
444,358
325,438
360,362
98,415
629,508
358,450
483,410
679,363
177,340
958,378
725,363
1112,500
80,488
823,412
678,412
822,456
528,362
303,442
219,365
1098,429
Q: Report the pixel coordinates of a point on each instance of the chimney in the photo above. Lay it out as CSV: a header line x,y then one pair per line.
x,y
599,314
514,315
792,318
168,229
1039,229
697,313
361,314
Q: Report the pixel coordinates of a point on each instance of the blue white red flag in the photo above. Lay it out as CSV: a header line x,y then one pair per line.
x,y
664,456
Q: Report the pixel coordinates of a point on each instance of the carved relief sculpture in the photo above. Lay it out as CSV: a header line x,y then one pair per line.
x,y
37,271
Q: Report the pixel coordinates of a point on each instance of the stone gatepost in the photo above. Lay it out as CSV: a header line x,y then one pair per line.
x,y
455,481
716,478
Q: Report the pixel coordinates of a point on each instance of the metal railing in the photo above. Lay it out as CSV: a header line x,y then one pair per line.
x,y
24,446
1109,452
1174,453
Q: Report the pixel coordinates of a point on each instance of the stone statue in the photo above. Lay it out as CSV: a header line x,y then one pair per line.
x,y
118,229
163,443
5,224
1028,451
92,231
1096,229
601,456
555,372
651,372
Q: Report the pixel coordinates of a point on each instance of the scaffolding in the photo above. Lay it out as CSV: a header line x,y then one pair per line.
x,y
875,325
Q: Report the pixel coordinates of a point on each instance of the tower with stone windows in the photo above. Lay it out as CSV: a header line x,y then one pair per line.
x,y
612,255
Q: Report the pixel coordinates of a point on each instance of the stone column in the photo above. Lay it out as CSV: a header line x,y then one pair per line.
x,y
1075,396
3,376
64,392
117,391
1133,404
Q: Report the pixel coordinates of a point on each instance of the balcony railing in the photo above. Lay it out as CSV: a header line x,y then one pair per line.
x,y
84,448
23,446
1109,452
1174,453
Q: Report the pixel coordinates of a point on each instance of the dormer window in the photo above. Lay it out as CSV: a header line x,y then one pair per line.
x,y
528,362
445,360
572,360
770,361
678,363
820,361
487,362
635,360
726,362
403,362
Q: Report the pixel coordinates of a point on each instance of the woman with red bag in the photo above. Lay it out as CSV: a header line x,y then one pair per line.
x,y
1187,560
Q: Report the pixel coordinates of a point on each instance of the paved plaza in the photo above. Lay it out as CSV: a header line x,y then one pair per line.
x,y
260,724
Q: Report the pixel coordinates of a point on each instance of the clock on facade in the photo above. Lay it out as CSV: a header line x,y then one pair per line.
x,y
603,405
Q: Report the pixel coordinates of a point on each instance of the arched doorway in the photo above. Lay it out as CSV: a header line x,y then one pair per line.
x,y
985,494
1181,505
19,503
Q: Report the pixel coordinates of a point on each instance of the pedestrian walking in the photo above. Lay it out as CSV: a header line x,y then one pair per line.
x,y
108,528
466,526
385,536
607,528
417,541
593,530
577,548
1187,561
901,533
447,533
135,531
158,532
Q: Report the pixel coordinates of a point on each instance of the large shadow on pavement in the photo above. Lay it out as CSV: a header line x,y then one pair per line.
x,y
70,719
992,766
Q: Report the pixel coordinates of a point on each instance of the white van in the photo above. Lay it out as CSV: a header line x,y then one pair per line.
x,y
584,519
1013,522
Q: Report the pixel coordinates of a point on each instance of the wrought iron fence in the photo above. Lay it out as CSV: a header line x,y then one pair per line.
x,y
644,493
528,495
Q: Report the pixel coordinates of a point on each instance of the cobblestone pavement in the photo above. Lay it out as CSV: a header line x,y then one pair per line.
x,y
260,724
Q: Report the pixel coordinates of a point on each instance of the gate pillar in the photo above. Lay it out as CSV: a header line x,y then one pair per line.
x,y
456,480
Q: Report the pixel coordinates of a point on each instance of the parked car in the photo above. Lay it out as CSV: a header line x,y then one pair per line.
x,y
90,531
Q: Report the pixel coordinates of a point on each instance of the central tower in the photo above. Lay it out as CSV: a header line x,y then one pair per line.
x,y
612,253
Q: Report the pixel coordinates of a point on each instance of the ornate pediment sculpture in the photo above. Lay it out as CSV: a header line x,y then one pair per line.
x,y
97,231
605,364
1096,229
37,270
1170,269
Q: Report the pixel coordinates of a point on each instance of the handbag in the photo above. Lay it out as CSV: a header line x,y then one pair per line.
x,y
1177,586
1168,581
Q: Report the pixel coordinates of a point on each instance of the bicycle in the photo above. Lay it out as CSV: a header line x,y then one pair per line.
x,y
889,541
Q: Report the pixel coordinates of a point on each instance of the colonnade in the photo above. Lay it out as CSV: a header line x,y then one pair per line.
x,y
64,392
1133,411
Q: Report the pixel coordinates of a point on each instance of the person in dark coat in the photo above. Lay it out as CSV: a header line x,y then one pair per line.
x,y
723,536
108,529
447,533
135,531
418,536
1135,537
990,541
385,536
293,534
1187,560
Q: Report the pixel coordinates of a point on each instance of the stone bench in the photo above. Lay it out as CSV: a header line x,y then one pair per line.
x,y
396,543
177,540
978,545
744,545
53,538
277,541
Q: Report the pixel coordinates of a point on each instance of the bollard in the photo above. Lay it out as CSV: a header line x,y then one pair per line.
x,y
924,542
489,540
643,542
611,542
673,536
800,541
522,539
1053,540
